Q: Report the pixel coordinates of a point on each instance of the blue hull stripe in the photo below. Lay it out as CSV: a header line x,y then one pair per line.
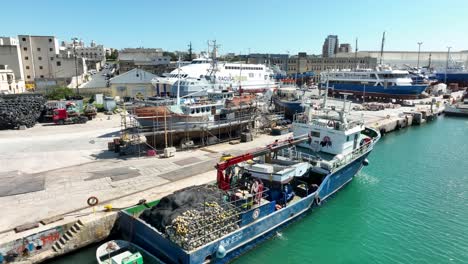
x,y
410,90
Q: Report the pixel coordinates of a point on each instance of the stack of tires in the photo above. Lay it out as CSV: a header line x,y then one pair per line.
x,y
20,110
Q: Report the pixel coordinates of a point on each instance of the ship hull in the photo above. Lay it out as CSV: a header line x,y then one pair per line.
x,y
455,111
244,238
399,92
460,78
290,107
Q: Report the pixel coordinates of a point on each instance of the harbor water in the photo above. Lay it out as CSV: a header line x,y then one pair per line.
x,y
410,205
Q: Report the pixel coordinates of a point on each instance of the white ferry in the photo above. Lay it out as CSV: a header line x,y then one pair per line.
x,y
241,77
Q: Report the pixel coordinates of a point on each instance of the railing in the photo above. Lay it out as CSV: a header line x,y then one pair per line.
x,y
336,163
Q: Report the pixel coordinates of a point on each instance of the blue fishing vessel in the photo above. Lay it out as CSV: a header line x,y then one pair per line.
x,y
255,194
382,82
290,99
455,73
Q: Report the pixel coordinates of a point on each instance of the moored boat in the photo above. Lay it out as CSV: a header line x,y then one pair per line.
x,y
255,194
123,252
382,82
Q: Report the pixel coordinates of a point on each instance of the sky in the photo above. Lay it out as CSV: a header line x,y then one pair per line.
x,y
240,26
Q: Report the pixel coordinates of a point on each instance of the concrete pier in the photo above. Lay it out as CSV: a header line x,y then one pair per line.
x,y
50,172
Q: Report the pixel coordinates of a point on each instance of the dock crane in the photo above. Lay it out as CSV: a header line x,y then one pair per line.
x,y
224,179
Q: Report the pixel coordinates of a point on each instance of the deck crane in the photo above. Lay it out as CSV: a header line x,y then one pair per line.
x,y
224,179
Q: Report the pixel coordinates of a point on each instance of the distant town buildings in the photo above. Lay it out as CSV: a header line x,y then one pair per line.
x,y
344,48
150,60
94,54
330,46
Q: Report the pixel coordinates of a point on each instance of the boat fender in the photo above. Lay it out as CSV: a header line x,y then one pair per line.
x,y
365,162
318,201
221,252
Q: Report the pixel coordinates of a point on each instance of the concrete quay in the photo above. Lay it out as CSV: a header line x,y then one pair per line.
x,y
49,172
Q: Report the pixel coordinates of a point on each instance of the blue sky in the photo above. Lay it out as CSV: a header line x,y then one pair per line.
x,y
239,25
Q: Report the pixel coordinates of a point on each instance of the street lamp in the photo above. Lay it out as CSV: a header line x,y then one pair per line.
x,y
76,64
446,65
419,51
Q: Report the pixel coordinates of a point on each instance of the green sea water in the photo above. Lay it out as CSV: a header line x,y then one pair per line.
x,y
410,205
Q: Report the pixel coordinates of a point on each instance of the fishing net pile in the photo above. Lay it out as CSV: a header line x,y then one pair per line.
x,y
193,216
20,110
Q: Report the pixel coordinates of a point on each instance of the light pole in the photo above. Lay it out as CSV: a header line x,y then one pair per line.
x,y
419,51
76,64
446,65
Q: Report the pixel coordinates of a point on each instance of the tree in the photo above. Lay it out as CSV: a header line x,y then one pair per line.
x,y
171,54
59,93
113,56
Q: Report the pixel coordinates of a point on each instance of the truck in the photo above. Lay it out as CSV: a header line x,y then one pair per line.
x,y
68,115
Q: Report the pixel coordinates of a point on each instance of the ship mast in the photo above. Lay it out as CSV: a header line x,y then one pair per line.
x,y
382,48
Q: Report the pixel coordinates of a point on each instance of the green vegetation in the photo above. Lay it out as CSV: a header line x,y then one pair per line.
x,y
113,56
59,93
171,54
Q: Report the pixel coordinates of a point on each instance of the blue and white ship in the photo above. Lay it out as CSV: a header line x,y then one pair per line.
x,y
256,193
454,73
382,82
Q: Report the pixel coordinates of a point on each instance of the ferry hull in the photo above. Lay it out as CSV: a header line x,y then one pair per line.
x,y
400,92
251,233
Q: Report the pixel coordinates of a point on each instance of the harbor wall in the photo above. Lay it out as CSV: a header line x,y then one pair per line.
x,y
58,240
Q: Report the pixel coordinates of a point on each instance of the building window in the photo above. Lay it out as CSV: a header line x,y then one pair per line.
x,y
50,40
51,49
51,58
26,58
39,58
24,39
42,76
25,49
27,67
59,63
38,49
40,67
29,77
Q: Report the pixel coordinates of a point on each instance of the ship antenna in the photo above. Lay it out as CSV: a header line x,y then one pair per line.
x,y
382,48
326,89
178,82
355,55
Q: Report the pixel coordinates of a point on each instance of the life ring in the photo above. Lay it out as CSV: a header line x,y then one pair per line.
x,y
318,201
92,201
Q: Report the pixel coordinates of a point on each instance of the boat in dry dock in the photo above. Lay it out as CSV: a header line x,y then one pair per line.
x,y
255,194
221,113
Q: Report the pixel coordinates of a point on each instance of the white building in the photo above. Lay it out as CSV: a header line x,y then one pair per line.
x,y
42,61
93,52
10,55
9,84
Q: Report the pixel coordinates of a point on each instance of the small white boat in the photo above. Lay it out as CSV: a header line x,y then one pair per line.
x,y
123,252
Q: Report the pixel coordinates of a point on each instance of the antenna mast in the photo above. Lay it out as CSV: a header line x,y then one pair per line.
x,y
190,51
382,48
355,55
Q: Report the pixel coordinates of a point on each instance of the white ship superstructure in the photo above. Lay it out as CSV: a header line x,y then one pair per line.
x,y
247,78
